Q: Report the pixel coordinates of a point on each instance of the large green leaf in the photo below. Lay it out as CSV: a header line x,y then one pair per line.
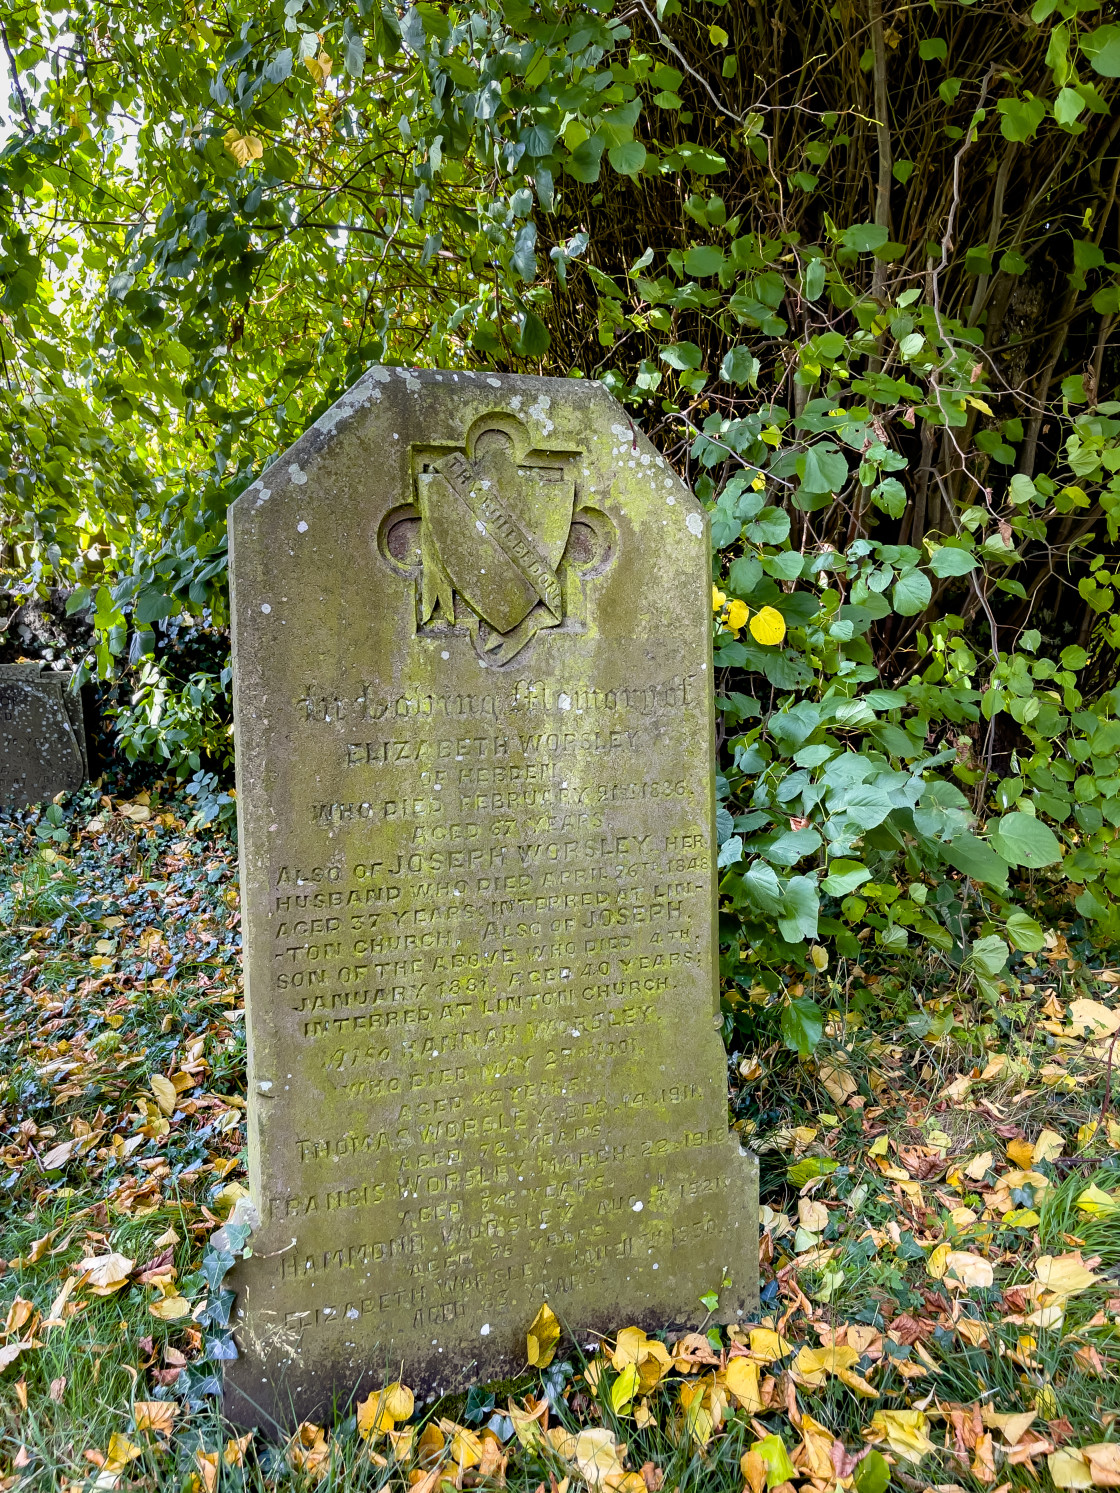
x,y
802,1026
912,593
975,858
1023,840
1102,47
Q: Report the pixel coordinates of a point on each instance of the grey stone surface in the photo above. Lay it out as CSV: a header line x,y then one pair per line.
x,y
42,735
474,741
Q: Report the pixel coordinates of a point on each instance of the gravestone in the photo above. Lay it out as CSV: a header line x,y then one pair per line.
x,y
473,703
42,735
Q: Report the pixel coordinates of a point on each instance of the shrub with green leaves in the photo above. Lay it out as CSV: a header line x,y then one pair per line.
x,y
850,267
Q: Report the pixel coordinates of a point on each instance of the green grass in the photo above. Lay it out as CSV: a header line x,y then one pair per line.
x,y
103,1006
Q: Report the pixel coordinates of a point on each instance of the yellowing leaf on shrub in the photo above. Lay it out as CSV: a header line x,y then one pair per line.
x,y
768,626
243,148
737,614
543,1336
905,1432
319,67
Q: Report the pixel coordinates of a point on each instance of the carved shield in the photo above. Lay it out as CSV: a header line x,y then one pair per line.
x,y
499,528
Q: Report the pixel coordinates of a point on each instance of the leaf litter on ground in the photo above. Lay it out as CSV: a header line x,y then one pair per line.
x,y
940,1250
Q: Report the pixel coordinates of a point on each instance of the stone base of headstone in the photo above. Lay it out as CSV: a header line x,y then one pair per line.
x,y
42,735
476,767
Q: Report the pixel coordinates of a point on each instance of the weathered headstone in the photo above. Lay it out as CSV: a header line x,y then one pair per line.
x,y
42,737
475,756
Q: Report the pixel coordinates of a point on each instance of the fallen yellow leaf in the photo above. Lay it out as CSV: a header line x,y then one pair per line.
x,y
812,1366
768,1345
120,1453
905,1432
1048,1147
969,1270
381,1411
597,1455
1012,1424
1094,1017
105,1274
1065,1275
1104,1463
543,1336
1095,1201
155,1415
1069,1468
741,1378
1021,1152
170,1308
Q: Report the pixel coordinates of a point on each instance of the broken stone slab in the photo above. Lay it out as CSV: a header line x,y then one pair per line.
x,y
42,735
